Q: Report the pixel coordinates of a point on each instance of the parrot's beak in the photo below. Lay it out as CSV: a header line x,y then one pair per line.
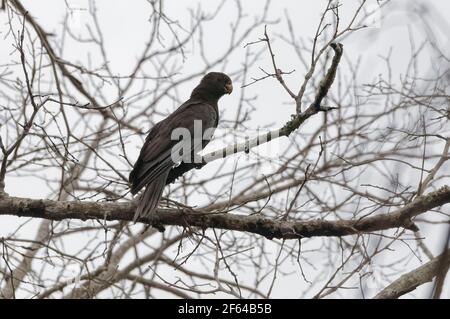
x,y
229,88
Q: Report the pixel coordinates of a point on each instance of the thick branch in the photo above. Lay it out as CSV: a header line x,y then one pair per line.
x,y
264,226
419,276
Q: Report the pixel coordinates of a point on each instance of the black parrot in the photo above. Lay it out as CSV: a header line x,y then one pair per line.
x,y
155,159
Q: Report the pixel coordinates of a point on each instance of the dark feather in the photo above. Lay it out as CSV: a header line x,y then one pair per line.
x,y
155,162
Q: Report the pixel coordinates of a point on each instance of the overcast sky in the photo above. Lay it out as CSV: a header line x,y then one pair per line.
x,y
125,24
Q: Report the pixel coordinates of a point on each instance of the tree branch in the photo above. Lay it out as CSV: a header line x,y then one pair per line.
x,y
410,281
296,121
264,226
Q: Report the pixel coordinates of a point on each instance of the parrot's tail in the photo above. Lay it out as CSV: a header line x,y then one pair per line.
x,y
149,200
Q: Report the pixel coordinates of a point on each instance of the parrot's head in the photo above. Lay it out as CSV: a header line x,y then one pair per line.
x,y
214,84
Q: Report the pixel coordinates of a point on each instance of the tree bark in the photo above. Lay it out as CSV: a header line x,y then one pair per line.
x,y
265,226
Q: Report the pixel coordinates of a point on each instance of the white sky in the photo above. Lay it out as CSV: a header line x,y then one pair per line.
x,y
125,24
